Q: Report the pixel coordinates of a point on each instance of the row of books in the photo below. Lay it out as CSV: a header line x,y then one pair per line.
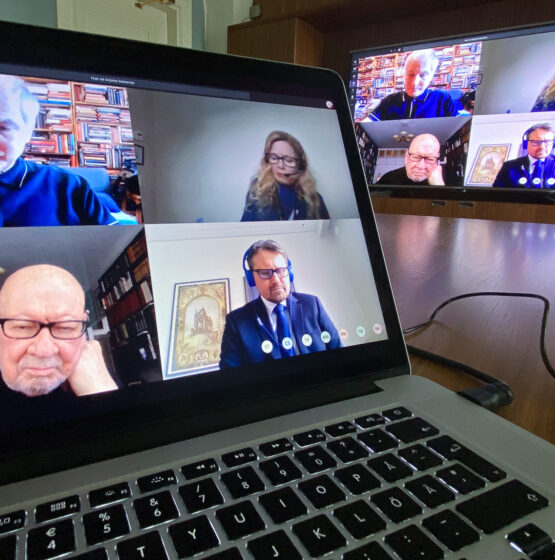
x,y
103,115
59,161
55,118
48,142
134,330
103,95
137,249
104,155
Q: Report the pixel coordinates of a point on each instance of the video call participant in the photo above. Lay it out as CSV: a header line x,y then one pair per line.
x,y
537,168
42,335
279,323
32,194
284,188
421,164
417,100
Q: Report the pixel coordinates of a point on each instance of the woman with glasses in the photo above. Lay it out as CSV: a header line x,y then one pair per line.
x,y
283,188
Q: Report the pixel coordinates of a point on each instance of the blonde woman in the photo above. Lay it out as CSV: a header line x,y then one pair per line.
x,y
284,188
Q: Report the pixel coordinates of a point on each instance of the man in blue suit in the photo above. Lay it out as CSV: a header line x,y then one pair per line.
x,y
279,323
536,169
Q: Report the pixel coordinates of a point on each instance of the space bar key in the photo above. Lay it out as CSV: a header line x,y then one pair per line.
x,y
502,505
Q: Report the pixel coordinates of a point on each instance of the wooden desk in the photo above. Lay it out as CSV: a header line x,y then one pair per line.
x,y
431,259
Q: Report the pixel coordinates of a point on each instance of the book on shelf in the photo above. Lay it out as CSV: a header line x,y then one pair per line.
x,y
141,271
136,249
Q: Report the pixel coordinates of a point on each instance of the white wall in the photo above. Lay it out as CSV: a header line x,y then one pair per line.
x,y
502,129
329,260
202,152
219,15
515,71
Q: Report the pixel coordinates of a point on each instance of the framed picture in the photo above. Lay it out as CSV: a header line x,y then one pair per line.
x,y
140,154
488,162
198,319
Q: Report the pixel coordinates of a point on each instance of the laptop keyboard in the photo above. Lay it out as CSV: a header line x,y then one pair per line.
x,y
384,486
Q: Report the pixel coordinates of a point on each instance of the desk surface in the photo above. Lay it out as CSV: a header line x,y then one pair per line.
x,y
432,259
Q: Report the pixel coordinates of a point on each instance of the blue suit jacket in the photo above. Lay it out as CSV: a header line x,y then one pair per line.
x,y
247,327
515,170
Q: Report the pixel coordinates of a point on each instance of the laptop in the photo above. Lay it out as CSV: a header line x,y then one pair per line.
x,y
217,434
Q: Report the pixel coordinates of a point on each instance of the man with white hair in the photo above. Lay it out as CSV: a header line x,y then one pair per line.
x,y
32,194
417,100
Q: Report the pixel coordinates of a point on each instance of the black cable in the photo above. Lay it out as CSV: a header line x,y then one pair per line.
x,y
472,371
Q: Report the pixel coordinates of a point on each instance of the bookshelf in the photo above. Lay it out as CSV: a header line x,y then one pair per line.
x,y
80,125
368,152
125,296
456,152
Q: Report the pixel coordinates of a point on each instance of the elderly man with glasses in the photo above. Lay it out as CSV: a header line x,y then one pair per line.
x,y
536,169
279,323
42,335
421,164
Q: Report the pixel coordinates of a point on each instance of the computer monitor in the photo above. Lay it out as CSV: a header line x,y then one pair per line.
x,y
476,111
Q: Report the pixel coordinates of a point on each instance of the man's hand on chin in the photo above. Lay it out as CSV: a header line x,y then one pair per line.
x,y
91,375
436,178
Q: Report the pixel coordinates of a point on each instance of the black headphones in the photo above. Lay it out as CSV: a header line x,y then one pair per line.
x,y
249,274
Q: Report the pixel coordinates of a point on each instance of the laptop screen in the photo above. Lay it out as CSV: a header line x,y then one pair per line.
x,y
168,237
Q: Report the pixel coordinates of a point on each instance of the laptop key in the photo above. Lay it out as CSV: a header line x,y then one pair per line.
x,y
276,447
450,449
105,524
199,469
359,519
309,438
369,421
377,440
12,521
240,520
370,551
50,540
240,457
229,554
156,481
280,470
200,495
148,546
319,536
409,431
396,504
528,539
8,547
448,528
420,457
389,467
315,459
57,508
274,545
410,543
501,506
155,509
357,479
97,554
397,413
347,450
546,553
193,536
460,478
430,491
242,482
321,491
340,429
109,494
283,505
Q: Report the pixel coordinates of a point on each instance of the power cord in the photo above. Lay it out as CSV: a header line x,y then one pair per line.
x,y
495,393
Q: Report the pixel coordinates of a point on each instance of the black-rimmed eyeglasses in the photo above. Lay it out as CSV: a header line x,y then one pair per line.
x,y
62,330
267,273
288,161
416,158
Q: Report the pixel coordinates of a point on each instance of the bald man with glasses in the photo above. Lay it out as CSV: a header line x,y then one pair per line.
x,y
42,335
421,164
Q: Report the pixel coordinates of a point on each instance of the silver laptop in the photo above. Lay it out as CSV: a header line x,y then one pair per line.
x,y
200,351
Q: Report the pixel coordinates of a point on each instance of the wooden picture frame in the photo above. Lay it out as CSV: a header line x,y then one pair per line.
x,y
487,163
198,318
